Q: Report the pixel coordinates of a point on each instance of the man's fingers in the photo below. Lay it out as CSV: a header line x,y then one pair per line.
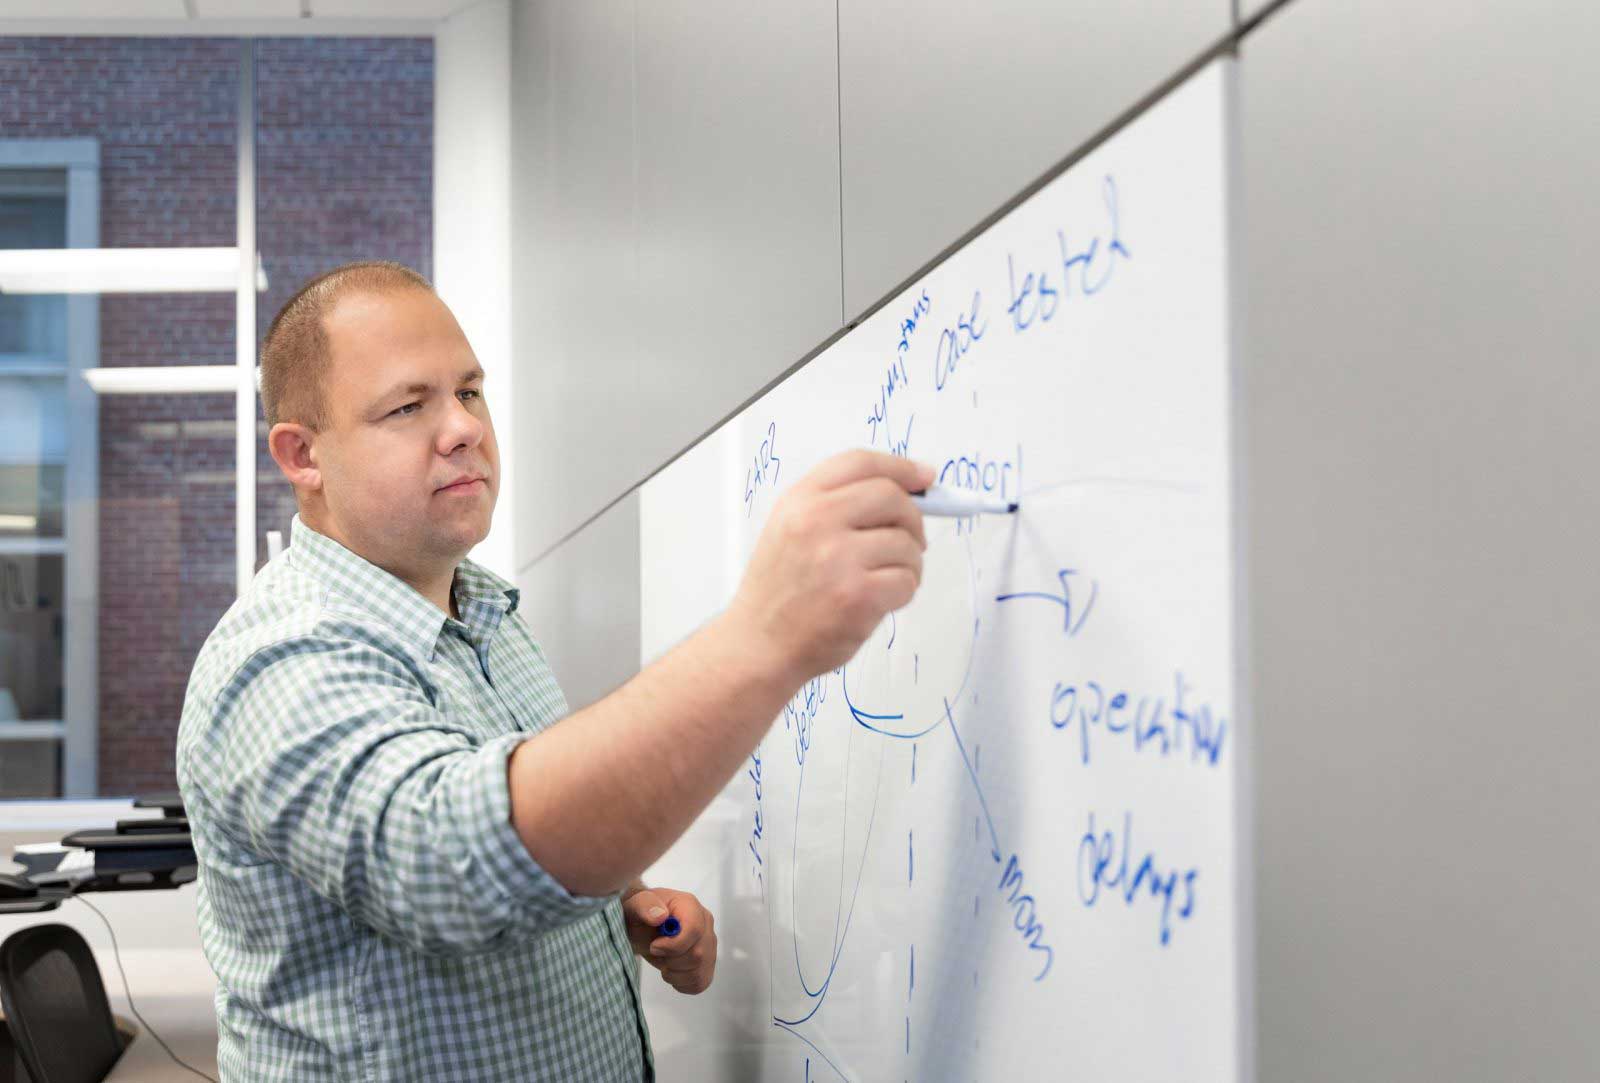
x,y
691,927
688,983
878,502
892,587
888,547
682,964
647,906
852,466
666,947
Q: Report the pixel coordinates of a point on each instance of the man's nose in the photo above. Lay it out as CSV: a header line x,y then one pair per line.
x,y
462,429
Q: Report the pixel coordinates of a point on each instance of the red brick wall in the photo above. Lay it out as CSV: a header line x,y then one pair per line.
x,y
344,153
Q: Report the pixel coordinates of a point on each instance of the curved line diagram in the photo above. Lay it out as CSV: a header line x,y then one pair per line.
x,y
873,722
820,994
789,1029
865,720
876,722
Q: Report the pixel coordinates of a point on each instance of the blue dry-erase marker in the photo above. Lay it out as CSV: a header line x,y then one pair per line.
x,y
670,927
957,503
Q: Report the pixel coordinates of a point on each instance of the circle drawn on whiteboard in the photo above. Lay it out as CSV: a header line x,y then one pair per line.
x,y
898,682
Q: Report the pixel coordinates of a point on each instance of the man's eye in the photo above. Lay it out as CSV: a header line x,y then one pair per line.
x,y
407,409
472,392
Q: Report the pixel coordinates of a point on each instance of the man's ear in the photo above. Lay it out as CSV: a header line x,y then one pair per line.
x,y
290,444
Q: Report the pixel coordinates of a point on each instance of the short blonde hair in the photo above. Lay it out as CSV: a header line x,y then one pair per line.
x,y
296,353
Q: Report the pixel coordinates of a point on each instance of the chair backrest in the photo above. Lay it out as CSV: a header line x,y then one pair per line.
x,y
12,1070
56,1004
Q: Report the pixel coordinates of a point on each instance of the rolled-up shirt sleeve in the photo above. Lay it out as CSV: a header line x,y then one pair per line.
x,y
327,756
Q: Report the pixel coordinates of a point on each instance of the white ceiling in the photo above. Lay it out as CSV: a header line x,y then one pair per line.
x,y
223,16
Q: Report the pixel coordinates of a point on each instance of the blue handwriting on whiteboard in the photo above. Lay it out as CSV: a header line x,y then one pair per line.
x,y
1023,916
1037,298
908,325
1023,908
766,461
754,773
894,378
1084,260
955,342
1149,723
981,473
1104,861
1064,600
902,446
800,713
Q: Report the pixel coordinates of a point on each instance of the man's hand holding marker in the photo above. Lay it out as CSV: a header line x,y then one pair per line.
x,y
841,550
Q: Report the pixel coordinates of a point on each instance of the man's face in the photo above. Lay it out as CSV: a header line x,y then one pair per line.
x,y
410,469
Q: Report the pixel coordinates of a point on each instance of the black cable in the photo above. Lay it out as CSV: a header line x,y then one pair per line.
x,y
128,992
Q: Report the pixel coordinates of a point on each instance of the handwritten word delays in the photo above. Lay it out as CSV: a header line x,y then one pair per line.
x,y
1106,864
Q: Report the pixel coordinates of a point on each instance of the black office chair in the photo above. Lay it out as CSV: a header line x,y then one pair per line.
x,y
56,1005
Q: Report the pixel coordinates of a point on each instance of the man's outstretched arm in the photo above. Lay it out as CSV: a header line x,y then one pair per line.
x,y
599,796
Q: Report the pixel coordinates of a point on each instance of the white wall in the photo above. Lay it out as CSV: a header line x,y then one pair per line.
x,y
471,211
1418,232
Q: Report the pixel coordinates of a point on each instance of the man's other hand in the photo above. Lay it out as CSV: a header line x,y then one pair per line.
x,y
686,961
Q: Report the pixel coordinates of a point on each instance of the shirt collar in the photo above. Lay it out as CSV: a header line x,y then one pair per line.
x,y
476,583
389,598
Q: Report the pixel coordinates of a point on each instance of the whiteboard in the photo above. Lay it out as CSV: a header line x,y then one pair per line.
x,y
1003,841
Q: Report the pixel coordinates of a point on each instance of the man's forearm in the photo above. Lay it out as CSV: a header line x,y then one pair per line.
x,y
599,796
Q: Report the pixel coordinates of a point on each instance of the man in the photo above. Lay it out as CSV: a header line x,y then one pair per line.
x,y
414,864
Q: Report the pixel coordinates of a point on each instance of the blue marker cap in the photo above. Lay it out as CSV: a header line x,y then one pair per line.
x,y
670,927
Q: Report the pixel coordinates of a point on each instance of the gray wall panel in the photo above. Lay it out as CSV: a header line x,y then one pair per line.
x,y
946,116
575,261
738,166
582,604
677,231
1420,382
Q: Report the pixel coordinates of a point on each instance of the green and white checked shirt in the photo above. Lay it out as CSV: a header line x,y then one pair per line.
x,y
368,908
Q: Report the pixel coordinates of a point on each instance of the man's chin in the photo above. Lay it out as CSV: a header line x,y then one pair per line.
x,y
462,536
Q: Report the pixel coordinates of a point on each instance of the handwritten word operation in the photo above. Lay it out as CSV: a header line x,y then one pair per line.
x,y
1150,723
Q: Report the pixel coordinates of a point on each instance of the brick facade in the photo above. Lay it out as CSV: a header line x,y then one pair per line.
x,y
344,156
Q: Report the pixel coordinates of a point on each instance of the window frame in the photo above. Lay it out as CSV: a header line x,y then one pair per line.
x,y
78,730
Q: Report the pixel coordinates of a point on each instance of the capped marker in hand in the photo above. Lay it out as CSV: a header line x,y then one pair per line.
x,y
670,927
958,503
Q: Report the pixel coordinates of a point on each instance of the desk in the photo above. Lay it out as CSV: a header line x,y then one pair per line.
x,y
160,945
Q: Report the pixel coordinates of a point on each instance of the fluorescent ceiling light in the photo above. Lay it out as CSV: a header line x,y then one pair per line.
x,y
165,379
19,522
123,270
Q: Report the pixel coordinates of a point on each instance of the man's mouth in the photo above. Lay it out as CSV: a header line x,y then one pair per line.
x,y
464,484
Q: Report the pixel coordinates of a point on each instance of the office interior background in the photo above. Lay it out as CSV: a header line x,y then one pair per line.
x,y
343,171
642,213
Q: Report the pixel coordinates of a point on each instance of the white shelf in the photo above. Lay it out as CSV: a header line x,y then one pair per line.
x,y
165,379
33,731
123,270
